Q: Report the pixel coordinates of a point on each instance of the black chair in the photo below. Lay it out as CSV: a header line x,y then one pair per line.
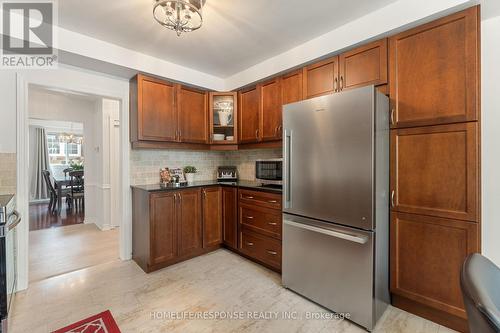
x,y
52,190
480,282
76,196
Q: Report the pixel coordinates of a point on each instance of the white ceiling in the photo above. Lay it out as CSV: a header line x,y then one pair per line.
x,y
236,34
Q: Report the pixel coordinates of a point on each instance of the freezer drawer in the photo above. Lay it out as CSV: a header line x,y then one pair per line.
x,y
330,265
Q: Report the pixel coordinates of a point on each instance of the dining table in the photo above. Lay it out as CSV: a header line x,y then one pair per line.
x,y
60,184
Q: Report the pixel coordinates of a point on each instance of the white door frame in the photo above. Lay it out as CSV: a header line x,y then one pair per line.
x,y
53,80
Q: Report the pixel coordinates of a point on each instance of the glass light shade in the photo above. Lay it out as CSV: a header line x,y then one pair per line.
x,y
179,15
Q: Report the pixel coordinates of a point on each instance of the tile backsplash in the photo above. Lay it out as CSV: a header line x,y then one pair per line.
x,y
146,164
7,173
244,160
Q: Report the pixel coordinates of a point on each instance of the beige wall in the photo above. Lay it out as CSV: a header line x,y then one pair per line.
x,y
7,173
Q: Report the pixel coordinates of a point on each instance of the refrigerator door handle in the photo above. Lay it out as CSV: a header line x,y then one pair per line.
x,y
334,233
287,147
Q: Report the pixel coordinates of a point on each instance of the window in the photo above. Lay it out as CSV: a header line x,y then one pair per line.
x,y
61,152
53,145
74,149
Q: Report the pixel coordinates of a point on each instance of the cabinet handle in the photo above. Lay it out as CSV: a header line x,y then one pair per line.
x,y
335,85
257,134
276,131
272,201
272,223
392,199
280,131
272,252
392,116
249,243
249,217
180,134
341,83
248,197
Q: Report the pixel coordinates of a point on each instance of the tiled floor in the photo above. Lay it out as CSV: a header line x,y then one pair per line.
x,y
60,250
218,281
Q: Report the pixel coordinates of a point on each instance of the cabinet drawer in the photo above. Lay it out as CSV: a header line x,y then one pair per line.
x,y
263,199
262,220
262,248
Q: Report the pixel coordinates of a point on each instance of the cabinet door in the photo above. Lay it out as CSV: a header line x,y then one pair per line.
x,y
364,65
434,71
426,258
230,216
163,232
212,216
157,115
434,170
291,87
321,78
271,110
193,115
249,115
189,221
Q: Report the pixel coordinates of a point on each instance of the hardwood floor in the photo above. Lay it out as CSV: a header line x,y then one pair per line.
x,y
57,251
41,218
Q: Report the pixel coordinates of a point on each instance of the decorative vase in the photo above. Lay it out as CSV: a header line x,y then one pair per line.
x,y
225,117
190,177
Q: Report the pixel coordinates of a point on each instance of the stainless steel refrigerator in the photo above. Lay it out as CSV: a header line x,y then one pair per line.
x,y
336,204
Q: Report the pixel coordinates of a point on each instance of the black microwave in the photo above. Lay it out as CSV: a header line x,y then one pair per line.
x,y
269,171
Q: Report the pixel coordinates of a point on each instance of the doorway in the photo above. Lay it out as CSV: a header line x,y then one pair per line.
x,y
100,188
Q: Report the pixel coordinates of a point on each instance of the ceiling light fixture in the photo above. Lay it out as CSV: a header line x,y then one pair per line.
x,y
179,15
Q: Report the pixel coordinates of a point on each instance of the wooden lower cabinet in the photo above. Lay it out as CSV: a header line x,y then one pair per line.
x,y
163,228
189,221
260,225
212,216
264,249
230,216
167,227
426,258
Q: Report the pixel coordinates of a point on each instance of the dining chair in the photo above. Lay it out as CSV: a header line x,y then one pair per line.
x,y
76,196
52,190
480,283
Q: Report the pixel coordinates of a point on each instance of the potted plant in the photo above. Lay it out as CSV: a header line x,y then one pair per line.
x,y
189,172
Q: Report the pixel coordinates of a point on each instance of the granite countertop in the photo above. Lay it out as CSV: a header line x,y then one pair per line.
x,y
240,184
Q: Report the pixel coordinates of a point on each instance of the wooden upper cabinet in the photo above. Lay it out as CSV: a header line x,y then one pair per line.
x,y
427,254
291,87
271,117
364,65
212,216
193,115
163,230
434,71
230,216
249,115
153,110
321,78
189,221
434,171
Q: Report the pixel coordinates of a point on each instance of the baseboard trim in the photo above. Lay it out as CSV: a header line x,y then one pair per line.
x,y
437,316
